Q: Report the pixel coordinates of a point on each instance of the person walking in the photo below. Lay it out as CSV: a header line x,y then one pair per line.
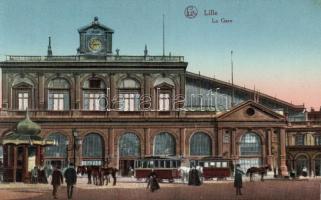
x,y
34,175
238,179
152,182
71,179
56,180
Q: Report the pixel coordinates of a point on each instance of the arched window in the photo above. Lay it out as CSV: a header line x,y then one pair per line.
x,y
58,94
317,139
92,146
129,95
164,144
58,151
94,94
250,151
200,145
302,164
129,145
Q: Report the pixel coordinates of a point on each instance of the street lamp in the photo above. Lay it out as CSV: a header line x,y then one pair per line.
x,y
77,143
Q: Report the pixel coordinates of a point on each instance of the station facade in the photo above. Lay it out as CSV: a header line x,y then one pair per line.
x,y
104,108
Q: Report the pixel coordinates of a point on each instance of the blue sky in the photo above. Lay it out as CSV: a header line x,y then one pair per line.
x,y
276,43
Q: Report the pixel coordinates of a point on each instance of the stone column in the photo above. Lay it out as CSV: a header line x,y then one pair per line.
x,y
284,171
14,171
111,136
182,87
219,142
182,141
147,90
77,91
269,148
41,92
233,143
147,141
25,174
112,90
5,91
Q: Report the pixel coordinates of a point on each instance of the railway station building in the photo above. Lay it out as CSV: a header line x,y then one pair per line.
x,y
99,107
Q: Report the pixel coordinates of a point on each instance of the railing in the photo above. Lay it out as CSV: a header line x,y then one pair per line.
x,y
86,114
95,58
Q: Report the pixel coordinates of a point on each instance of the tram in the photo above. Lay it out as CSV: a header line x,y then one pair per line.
x,y
165,168
214,167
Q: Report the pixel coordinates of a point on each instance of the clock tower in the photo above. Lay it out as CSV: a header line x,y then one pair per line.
x,y
95,39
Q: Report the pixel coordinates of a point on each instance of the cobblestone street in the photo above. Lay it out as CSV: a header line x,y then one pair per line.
x,y
270,189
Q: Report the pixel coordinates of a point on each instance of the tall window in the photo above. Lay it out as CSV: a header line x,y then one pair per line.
x,y
164,144
92,146
23,99
317,165
299,139
200,145
22,95
129,145
302,164
250,151
58,151
94,95
317,139
164,101
129,95
58,94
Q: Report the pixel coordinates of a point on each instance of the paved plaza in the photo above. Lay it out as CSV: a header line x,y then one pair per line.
x,y
126,190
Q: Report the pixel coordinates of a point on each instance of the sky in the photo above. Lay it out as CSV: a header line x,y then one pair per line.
x,y
276,44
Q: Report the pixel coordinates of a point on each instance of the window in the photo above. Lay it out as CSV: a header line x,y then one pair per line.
x,y
92,146
58,151
164,101
129,145
250,145
58,94
23,100
317,139
164,144
200,144
250,151
94,94
129,95
299,139
129,101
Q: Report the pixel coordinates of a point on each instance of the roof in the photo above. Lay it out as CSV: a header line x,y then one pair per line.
x,y
244,89
95,24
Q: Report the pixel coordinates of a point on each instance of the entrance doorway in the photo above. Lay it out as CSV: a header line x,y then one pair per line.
x,y
126,167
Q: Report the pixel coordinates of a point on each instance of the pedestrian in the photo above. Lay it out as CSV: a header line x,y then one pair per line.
x,y
238,179
89,171
194,177
34,175
71,179
56,180
152,181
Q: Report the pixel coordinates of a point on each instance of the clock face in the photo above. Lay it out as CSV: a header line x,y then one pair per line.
x,y
95,44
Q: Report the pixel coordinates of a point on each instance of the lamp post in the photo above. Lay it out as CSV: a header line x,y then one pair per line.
x,y
76,144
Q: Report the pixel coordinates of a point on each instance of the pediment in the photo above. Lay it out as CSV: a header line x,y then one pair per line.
x,y
251,111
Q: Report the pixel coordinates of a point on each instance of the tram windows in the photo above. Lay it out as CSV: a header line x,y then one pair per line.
x,y
201,164
178,163
212,164
206,164
218,164
174,164
151,164
168,164
144,164
224,164
156,163
162,164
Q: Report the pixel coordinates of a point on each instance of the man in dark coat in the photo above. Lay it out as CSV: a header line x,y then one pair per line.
x,y
152,182
238,179
194,178
56,180
71,179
